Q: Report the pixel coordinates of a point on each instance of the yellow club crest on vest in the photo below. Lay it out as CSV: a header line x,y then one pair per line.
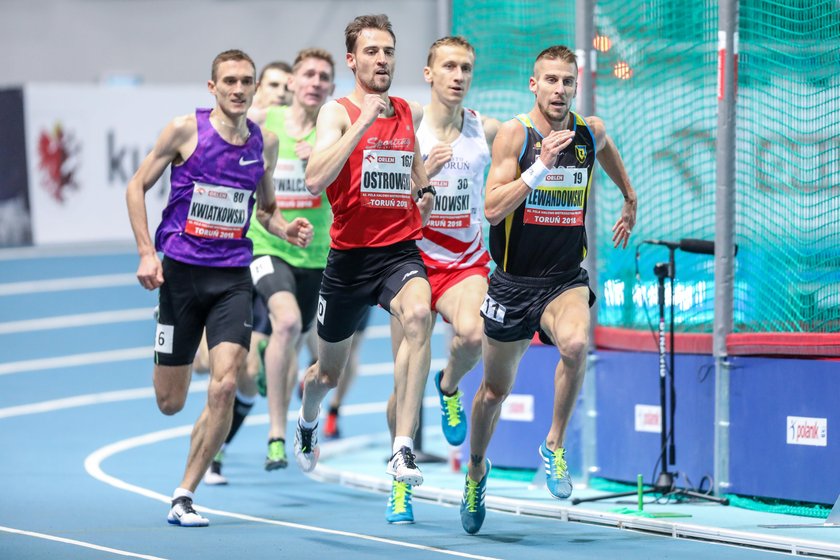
x,y
580,152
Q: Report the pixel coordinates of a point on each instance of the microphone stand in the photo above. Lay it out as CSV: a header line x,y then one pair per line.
x,y
664,484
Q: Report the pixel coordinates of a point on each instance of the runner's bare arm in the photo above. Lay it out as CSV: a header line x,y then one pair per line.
x,y
335,140
491,128
611,162
506,188
419,180
175,144
267,212
416,113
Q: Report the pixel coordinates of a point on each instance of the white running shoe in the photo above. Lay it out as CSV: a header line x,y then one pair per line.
x,y
183,514
214,476
402,467
306,447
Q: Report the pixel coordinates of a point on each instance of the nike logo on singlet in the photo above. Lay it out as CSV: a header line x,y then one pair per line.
x,y
243,161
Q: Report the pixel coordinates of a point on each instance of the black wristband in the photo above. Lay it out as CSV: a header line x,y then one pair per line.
x,y
424,190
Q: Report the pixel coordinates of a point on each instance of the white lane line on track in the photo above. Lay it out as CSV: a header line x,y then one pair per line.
x,y
93,465
122,355
139,314
78,320
140,352
116,248
90,399
149,392
78,543
65,284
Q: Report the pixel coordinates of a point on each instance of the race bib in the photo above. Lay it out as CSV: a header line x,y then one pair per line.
x,y
493,310
261,267
452,203
559,199
217,212
163,338
290,186
386,179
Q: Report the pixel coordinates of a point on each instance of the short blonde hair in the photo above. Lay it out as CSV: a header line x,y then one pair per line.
x,y
450,41
313,52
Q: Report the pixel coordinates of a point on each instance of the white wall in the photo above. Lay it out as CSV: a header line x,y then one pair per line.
x,y
174,41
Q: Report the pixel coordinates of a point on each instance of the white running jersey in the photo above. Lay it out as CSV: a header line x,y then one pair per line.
x,y
453,237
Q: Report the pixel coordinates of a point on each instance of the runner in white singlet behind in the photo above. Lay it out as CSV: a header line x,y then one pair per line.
x,y
454,142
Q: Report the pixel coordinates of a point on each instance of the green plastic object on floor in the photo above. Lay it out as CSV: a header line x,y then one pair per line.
x,y
641,505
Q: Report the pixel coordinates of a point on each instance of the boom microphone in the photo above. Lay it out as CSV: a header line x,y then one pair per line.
x,y
669,244
700,246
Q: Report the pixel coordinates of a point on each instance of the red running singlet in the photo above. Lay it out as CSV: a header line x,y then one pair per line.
x,y
371,197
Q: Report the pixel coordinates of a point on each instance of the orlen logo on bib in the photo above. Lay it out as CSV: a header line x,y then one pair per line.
x,y
807,431
386,159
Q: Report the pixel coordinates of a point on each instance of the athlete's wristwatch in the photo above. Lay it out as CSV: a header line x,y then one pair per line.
x,y
424,190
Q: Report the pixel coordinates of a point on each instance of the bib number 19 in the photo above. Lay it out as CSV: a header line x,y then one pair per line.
x,y
493,310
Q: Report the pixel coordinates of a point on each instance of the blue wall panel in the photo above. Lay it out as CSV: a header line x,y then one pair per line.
x,y
764,393
627,379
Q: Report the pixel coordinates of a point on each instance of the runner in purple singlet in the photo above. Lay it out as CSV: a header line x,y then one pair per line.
x,y
219,161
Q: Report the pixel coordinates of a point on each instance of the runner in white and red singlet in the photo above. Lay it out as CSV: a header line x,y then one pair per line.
x,y
454,142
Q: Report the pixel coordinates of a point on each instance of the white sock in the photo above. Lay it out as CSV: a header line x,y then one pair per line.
x,y
402,441
182,492
306,424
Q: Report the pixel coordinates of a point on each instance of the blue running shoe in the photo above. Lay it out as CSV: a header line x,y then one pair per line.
x,y
452,417
556,472
399,510
473,509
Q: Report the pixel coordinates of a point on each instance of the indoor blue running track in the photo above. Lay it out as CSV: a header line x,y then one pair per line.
x,y
87,462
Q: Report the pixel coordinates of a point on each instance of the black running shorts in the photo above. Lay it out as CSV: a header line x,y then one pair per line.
x,y
514,304
272,274
262,324
193,298
356,279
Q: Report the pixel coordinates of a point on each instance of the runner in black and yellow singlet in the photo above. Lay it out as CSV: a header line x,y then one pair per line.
x,y
545,235
536,194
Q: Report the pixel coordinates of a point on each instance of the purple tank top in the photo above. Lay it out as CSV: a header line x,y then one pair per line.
x,y
212,196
